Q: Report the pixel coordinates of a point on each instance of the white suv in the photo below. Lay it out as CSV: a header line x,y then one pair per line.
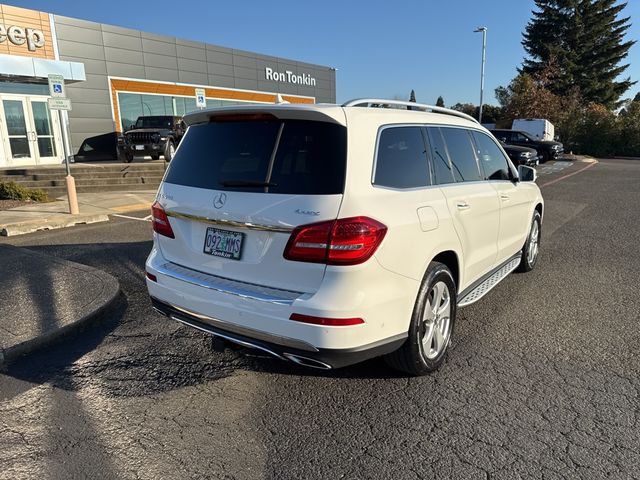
x,y
327,235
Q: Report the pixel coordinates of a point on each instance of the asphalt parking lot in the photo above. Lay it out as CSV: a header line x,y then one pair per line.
x,y
541,382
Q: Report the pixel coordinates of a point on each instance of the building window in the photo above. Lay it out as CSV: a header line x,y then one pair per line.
x,y
134,105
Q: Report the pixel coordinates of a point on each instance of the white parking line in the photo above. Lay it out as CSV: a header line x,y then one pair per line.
x,y
145,219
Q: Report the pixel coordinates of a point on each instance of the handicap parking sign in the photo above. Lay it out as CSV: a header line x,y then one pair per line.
x,y
56,86
201,101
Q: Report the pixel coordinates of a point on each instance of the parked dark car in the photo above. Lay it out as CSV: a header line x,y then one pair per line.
x,y
521,155
98,148
152,135
548,150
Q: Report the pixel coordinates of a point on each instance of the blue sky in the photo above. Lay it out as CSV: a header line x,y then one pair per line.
x,y
380,48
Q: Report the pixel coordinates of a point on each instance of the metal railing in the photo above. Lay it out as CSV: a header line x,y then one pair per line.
x,y
381,103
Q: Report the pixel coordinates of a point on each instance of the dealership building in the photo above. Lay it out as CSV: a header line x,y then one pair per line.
x,y
113,75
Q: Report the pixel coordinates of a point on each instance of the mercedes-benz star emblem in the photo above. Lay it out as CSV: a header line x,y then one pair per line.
x,y
219,200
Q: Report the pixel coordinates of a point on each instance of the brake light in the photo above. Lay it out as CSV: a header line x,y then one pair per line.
x,y
242,117
160,221
346,241
332,322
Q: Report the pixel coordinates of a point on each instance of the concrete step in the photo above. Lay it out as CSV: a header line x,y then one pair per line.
x,y
54,192
78,169
132,180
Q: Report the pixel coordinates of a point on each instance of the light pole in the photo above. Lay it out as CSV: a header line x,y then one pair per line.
x,y
484,53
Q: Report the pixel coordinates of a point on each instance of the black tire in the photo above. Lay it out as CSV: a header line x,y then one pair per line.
x,y
128,157
530,252
545,157
155,157
412,357
169,151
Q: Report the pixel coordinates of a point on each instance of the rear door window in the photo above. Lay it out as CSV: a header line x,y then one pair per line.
x,y
461,154
402,158
442,170
268,156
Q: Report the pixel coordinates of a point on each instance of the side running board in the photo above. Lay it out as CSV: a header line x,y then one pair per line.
x,y
478,290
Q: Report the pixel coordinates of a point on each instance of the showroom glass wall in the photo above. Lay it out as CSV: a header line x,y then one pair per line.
x,y
134,105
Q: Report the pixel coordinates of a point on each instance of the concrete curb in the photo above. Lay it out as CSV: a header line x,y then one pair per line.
x,y
57,221
99,306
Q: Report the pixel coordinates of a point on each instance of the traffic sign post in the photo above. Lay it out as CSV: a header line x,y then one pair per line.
x,y
60,102
201,100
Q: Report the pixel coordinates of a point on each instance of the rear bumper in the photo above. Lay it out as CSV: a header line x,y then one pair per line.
x,y
279,347
260,316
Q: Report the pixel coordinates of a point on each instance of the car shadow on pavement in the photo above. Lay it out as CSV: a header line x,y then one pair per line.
x,y
49,363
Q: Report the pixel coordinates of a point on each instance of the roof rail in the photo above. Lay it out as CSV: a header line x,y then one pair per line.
x,y
376,102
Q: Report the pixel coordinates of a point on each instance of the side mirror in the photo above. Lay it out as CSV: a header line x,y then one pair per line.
x,y
527,174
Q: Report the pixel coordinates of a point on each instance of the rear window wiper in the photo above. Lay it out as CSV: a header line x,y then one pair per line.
x,y
247,183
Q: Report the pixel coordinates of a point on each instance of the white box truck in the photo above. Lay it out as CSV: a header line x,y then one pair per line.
x,y
539,128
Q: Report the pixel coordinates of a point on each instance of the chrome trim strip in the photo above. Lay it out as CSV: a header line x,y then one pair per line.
x,y
307,362
229,223
232,287
237,329
366,102
226,337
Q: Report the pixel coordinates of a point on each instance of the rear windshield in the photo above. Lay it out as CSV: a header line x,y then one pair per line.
x,y
271,156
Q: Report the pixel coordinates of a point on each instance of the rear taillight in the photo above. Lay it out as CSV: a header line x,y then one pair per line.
x,y
346,241
160,221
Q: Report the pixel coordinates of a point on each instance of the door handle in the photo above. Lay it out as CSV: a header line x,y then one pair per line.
x,y
504,197
463,205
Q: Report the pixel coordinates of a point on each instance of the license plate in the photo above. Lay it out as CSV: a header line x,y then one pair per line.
x,y
139,147
223,243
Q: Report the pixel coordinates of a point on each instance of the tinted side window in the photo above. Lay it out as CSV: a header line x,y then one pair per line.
x,y
518,137
402,158
463,159
493,162
439,158
502,136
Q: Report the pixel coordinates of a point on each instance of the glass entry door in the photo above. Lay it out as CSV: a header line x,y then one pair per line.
x,y
18,145
43,130
29,132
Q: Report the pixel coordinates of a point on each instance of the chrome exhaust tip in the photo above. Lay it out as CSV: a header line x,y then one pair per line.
x,y
307,362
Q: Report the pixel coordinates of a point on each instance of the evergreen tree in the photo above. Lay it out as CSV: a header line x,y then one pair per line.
x,y
412,97
585,38
440,102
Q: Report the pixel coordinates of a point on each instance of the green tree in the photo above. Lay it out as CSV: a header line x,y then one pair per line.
x,y
412,96
530,96
628,143
586,39
440,101
468,108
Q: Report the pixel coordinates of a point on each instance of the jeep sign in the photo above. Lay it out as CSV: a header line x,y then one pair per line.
x,y
289,77
33,37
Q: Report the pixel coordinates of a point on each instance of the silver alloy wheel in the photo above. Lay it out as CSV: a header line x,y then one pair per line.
x,y
532,249
172,150
436,320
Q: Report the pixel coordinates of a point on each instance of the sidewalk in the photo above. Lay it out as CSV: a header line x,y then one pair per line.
x,y
94,207
45,298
